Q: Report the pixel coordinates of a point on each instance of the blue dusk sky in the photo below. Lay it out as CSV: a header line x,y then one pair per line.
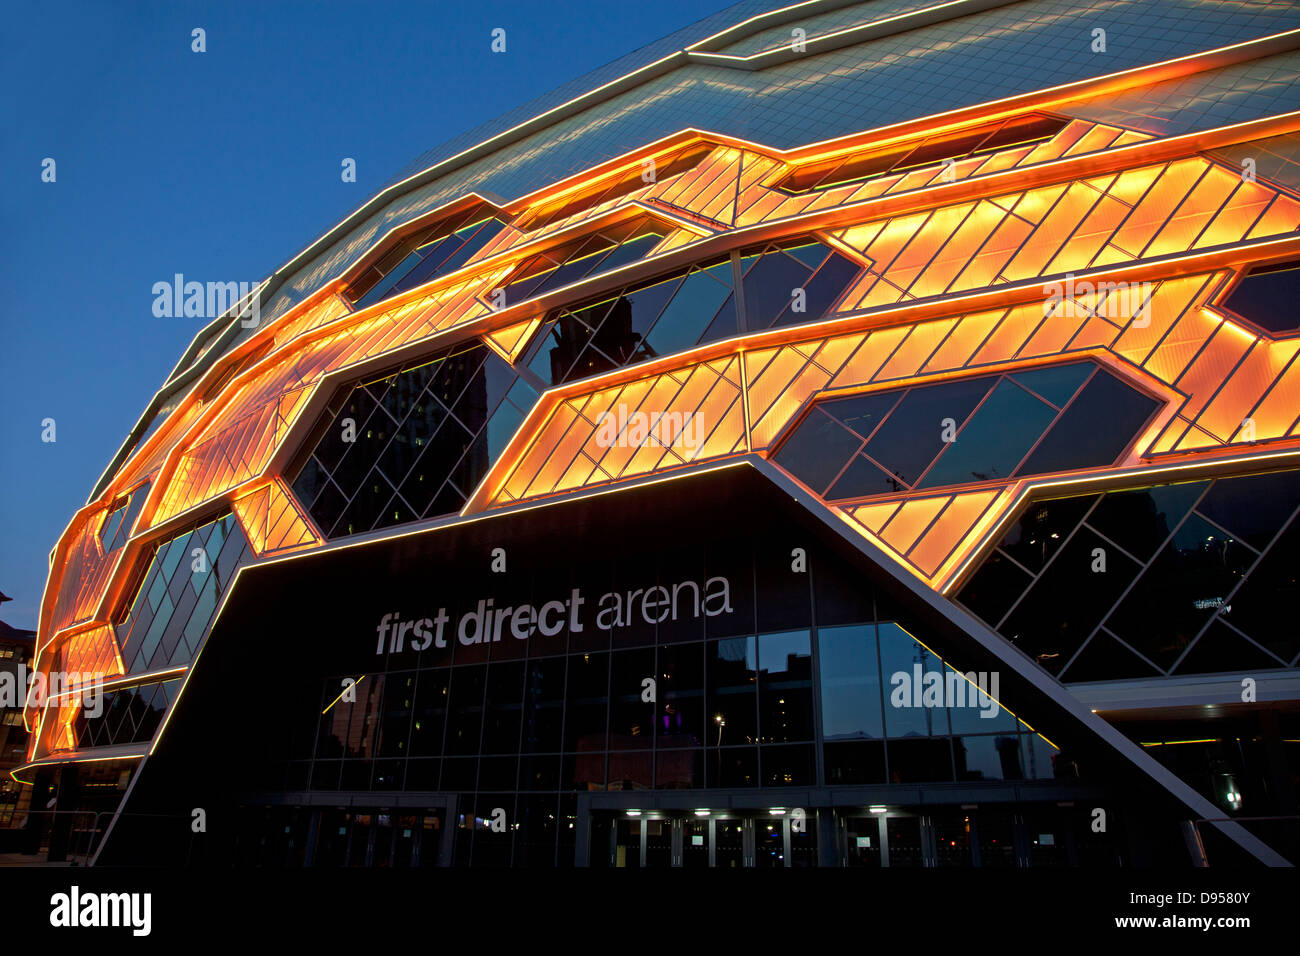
x,y
220,166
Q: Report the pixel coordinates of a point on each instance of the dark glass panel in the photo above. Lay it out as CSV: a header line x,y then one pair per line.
x,y
733,562
109,530
862,413
913,434
996,438
585,715
679,769
1265,606
1181,590
631,718
366,507
371,439
583,771
862,478
498,773
701,297
412,434
816,450
1221,648
325,774
465,709
1056,383
858,762
973,705
459,773
1095,429
543,705
398,706
328,508
441,452
731,671
629,251
785,687
1253,507
473,242
822,291
631,769
358,406
1068,601
1043,529
789,766
920,760
785,602
1268,297
430,714
993,588
384,287
502,711
310,482
1104,658
988,757
732,767
908,712
1140,521
540,772
680,706
843,594
850,684
811,254
769,289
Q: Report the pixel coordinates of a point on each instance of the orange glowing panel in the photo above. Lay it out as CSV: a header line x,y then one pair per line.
x,y
952,525
911,521
87,656
1214,366
272,521
1181,344
1276,411
1171,300
511,340
768,422
873,515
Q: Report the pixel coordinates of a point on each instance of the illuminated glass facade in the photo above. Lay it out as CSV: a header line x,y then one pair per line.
x,y
846,373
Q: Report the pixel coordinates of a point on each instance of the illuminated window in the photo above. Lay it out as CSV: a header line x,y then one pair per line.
x,y
992,427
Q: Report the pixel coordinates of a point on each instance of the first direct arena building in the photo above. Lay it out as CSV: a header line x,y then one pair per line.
x,y
871,448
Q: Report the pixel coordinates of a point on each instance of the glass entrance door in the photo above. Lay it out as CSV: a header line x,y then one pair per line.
x,y
696,842
729,848
627,846
862,840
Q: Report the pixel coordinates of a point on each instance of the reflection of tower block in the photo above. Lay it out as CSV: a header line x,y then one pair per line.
x,y
1008,749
